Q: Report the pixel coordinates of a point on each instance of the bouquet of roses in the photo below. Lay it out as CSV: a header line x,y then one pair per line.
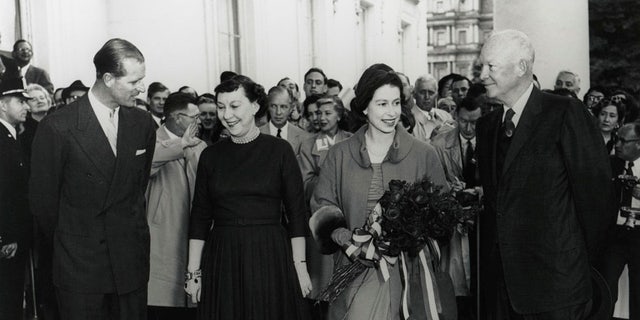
x,y
405,218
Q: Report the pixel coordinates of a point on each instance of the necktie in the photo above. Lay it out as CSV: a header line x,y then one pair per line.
x,y
279,133
112,132
469,169
509,126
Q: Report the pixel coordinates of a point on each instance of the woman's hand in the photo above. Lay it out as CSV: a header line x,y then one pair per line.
x,y
303,278
192,288
341,236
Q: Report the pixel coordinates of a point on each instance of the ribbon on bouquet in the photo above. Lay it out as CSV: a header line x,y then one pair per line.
x,y
366,246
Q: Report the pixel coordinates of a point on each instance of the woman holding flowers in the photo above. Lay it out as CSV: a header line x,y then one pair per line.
x,y
354,176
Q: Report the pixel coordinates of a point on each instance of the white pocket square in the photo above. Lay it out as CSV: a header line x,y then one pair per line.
x,y
141,151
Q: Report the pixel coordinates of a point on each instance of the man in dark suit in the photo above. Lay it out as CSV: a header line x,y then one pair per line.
x,y
545,173
90,167
280,102
15,219
22,54
623,247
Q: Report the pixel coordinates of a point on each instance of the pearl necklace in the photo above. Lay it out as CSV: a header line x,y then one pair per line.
x,y
250,136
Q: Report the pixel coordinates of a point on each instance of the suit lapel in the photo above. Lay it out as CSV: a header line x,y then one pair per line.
x,y
92,140
126,150
526,125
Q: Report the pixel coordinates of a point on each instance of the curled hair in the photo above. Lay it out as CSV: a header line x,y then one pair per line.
x,y
110,57
36,87
312,99
374,77
253,91
605,102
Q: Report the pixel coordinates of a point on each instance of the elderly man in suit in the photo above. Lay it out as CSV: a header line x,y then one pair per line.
x,y
22,54
544,172
428,117
169,195
15,219
280,105
90,167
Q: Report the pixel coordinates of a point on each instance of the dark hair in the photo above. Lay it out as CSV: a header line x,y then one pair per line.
x,y
226,75
187,87
307,102
600,89
374,77
253,91
175,102
331,83
564,92
458,77
443,81
468,103
110,57
630,103
15,45
605,102
280,90
318,70
156,87
206,98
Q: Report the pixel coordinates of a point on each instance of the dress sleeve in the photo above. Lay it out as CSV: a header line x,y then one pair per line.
x,y
202,207
293,194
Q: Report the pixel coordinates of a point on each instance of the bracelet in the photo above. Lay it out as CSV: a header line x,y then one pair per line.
x,y
192,275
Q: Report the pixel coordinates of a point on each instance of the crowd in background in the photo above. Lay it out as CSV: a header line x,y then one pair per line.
x,y
312,117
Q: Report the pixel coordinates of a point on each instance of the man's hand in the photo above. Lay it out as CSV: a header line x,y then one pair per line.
x,y
8,251
189,138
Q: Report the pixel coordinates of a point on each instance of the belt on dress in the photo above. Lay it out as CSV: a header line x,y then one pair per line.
x,y
246,222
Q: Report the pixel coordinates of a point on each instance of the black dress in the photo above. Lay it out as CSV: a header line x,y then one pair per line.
x,y
247,265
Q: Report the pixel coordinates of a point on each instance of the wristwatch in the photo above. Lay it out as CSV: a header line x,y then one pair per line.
x,y
192,275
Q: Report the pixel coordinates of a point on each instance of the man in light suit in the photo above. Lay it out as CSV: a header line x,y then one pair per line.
x,y
280,102
545,176
15,219
90,167
169,195
22,54
428,117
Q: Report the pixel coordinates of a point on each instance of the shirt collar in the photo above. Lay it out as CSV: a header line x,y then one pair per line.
x,y
518,107
101,110
464,140
283,131
11,128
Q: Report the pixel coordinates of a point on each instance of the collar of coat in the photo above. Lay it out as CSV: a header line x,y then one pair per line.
x,y
402,144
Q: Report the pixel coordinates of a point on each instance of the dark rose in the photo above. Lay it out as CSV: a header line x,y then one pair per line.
x,y
392,213
396,185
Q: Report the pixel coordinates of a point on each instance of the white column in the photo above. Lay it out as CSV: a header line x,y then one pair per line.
x,y
561,42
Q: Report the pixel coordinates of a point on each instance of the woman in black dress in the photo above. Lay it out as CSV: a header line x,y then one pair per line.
x,y
247,260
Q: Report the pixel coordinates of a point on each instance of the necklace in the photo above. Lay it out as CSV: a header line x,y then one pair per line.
x,y
250,136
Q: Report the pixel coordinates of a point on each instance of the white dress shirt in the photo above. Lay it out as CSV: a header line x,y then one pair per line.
x,y
108,119
284,131
518,107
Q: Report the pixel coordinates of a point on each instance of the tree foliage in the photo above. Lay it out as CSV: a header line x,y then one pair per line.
x,y
614,36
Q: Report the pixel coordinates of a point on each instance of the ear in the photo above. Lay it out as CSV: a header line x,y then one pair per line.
x,y
255,107
365,111
522,67
109,79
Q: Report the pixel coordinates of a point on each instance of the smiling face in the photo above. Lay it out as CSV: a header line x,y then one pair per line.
x,y
608,118
329,118
156,102
236,112
502,73
208,116
383,111
313,115
125,89
23,53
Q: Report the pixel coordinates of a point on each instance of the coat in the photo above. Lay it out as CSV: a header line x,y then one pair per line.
x,y
90,202
424,128
344,182
547,211
169,195
295,135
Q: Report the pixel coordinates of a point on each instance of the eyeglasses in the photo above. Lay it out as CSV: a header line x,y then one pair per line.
x,y
193,117
594,98
623,140
618,99
207,114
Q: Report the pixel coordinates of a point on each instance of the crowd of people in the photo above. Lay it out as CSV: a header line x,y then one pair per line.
x,y
242,203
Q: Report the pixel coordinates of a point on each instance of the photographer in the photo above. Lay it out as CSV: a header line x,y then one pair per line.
x,y
622,247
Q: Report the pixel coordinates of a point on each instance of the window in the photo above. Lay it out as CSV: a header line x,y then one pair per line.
x,y
441,38
229,35
462,37
439,6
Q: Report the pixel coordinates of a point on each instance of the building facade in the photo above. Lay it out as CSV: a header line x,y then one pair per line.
x,y
456,30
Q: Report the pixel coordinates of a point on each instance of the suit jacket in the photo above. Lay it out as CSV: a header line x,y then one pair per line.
x,y
424,127
39,76
169,195
15,218
548,209
295,135
90,202
8,68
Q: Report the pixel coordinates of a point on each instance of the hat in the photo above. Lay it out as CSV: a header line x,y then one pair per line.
x,y
75,86
13,87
